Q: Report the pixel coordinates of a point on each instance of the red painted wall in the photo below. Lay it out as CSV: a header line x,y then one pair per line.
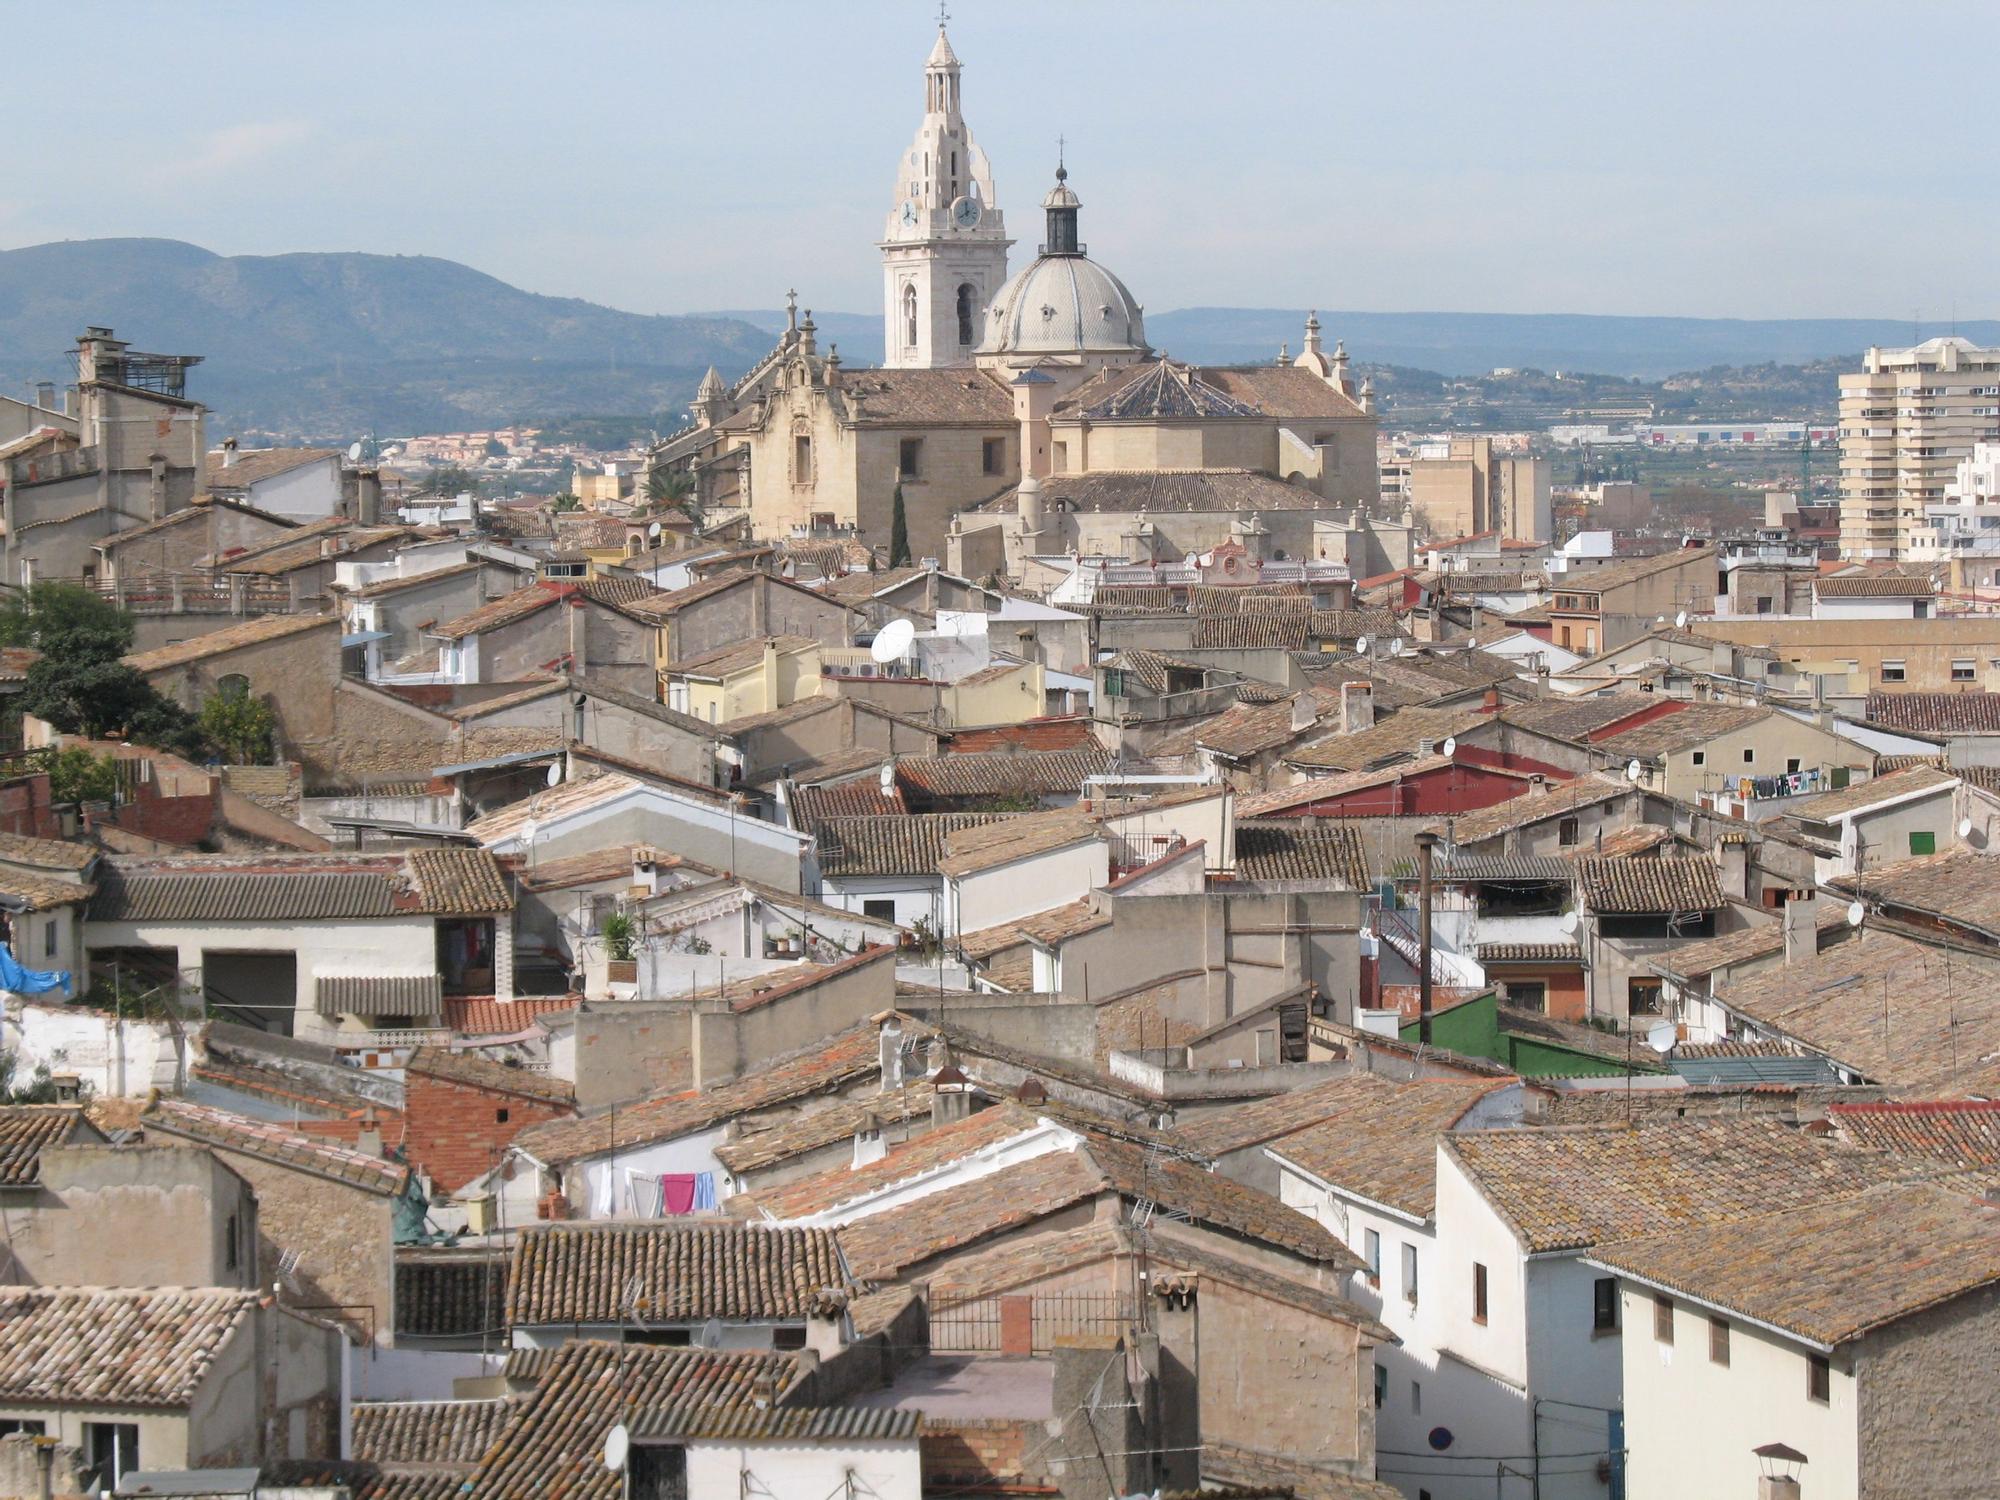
x,y
455,1132
1633,720
1457,788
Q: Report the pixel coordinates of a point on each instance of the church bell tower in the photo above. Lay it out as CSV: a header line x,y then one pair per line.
x,y
944,253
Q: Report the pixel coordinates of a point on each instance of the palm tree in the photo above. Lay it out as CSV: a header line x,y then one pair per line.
x,y
675,489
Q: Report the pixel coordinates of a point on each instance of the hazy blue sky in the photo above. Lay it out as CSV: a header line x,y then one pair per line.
x,y
1741,160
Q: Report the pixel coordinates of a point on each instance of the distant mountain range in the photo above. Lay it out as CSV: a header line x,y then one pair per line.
x,y
1473,343
330,346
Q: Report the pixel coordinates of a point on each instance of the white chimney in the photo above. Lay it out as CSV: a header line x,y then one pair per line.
x,y
1801,919
229,453
869,1144
1305,712
890,1042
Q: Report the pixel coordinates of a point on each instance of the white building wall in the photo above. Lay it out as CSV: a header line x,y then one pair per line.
x,y
1424,1388
728,1471
1691,1424
311,492
915,897
1026,886
606,1180
114,1059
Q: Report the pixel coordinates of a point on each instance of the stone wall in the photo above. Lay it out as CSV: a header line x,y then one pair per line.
x,y
347,1265
1925,1429
457,1131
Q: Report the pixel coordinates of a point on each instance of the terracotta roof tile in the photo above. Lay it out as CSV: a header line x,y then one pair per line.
x,y
837,1121
1557,799
472,1071
1964,1132
1652,884
554,1446
483,1015
255,632
25,1129
451,1293
1571,1188
1936,713
591,1273
1904,1013
1363,1133
823,1067
429,1433
1318,849
93,1346
1961,887
504,611
1400,736
1830,1271
48,854
226,1131
1001,773
908,845
969,851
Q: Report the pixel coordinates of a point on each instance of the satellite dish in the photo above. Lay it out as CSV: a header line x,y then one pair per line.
x,y
554,778
1362,643
528,831
892,641
617,1443
888,778
1661,1036
1965,828
1633,770
1398,646
1450,746
1855,912
1570,922
654,529
1681,620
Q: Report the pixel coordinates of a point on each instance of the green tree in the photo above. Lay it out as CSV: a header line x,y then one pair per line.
x,y
52,616
675,489
564,502
75,775
240,726
452,479
620,936
899,533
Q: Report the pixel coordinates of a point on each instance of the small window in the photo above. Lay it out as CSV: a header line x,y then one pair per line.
x,y
1371,1251
1566,833
789,1338
1718,1341
1644,996
1964,671
1381,1386
1892,671
1410,1274
882,909
1924,842
1749,756
1416,1398
1663,1319
1819,1378
1478,1292
30,1425
113,1452
992,455
1792,766
49,938
229,1251
1604,1305
499,1117
802,459
1700,757
909,453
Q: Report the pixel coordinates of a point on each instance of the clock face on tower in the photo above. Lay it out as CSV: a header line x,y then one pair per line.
x,y
909,212
965,213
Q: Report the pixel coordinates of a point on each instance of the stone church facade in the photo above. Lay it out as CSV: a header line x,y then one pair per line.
x,y
1005,405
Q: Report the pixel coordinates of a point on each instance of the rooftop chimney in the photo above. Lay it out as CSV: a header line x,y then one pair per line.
x,y
889,1041
45,395
869,1146
1801,918
229,453
1357,707
368,497
368,1139
1305,711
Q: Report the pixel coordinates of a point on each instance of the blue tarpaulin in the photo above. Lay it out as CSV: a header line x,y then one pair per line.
x,y
28,981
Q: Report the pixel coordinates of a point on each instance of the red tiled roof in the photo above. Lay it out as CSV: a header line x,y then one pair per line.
x,y
479,1015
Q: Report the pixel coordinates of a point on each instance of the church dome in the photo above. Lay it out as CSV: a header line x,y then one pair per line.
x,y
1065,302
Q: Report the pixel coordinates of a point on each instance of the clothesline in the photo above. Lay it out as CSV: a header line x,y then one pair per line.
x,y
671,1195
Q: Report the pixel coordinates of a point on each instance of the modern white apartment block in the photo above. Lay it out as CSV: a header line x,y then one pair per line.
x,y
1907,419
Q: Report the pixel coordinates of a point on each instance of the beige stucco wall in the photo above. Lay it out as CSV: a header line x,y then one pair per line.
x,y
343,1236
1924,1428
1926,647
132,1216
1673,1393
295,674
